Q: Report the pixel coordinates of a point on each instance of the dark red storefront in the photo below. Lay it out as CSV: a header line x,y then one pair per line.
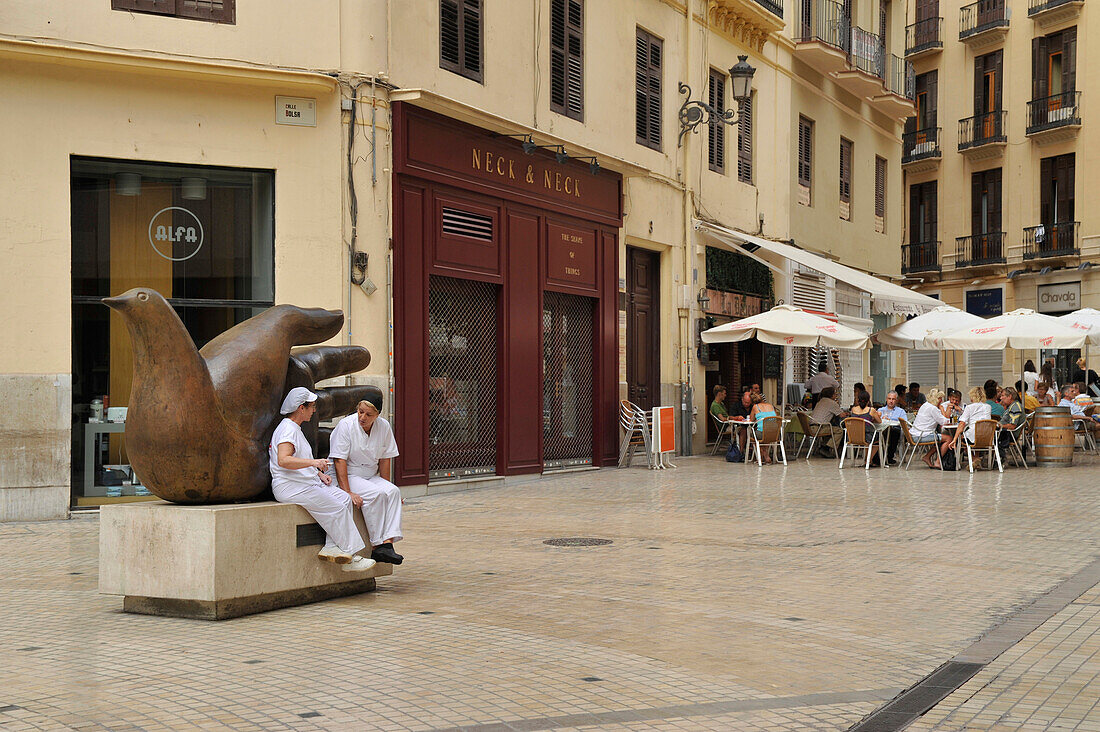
x,y
505,289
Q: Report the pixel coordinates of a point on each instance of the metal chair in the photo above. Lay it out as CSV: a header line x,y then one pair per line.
x,y
725,429
1081,428
1015,436
812,430
914,445
771,435
855,439
636,424
985,440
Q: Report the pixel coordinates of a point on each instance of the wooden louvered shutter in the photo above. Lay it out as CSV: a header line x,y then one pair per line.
x,y
994,187
1069,64
1046,188
716,137
975,204
931,195
219,11
1039,56
979,85
845,170
1064,165
566,58
805,151
998,80
744,143
931,116
460,40
911,124
880,187
647,123
160,7
914,214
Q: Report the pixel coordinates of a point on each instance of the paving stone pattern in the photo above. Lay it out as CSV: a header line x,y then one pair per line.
x,y
731,598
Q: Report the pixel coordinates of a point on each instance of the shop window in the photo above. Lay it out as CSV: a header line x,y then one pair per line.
x,y
203,237
217,11
460,38
568,366
567,58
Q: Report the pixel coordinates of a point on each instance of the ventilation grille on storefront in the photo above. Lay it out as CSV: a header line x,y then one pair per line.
x,y
984,365
462,378
457,222
567,408
924,368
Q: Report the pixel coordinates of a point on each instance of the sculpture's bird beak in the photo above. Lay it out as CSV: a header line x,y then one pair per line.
x,y
127,300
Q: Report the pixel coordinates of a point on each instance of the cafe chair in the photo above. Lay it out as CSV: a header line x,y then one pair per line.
x,y
1016,438
855,439
985,441
725,429
811,430
770,436
1081,429
913,446
637,428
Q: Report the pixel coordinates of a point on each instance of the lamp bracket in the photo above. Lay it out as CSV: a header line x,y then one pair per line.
x,y
695,113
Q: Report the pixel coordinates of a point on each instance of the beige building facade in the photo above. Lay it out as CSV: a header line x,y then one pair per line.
x,y
996,168
426,166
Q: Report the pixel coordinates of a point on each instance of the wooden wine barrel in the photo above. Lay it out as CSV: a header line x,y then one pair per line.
x,y
1054,439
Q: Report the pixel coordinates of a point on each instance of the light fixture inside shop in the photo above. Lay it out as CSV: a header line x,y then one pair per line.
x,y
695,113
193,189
128,184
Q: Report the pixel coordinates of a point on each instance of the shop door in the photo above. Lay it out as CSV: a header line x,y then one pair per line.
x,y
567,397
642,327
462,377
880,364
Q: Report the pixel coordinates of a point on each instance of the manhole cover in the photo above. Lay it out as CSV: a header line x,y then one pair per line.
x,y
577,541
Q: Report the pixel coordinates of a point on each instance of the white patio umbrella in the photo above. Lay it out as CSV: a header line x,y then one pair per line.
x,y
786,325
1086,320
1018,329
914,334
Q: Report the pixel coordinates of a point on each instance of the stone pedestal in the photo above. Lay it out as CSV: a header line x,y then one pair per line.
x,y
219,562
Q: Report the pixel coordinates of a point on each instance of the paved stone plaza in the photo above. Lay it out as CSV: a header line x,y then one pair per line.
x,y
731,598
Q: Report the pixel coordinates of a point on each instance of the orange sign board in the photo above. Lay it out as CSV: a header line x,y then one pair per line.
x,y
664,430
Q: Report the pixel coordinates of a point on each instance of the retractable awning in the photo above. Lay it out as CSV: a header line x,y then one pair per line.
x,y
886,297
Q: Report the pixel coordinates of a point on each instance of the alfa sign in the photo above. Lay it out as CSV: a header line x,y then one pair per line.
x,y
1059,298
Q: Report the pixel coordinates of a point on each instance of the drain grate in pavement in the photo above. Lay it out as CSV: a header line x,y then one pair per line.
x,y
919,698
9,708
577,541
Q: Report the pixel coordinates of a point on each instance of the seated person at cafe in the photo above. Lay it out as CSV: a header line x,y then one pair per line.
x,y
1069,393
952,406
755,388
741,410
991,398
718,406
820,381
892,412
761,409
1030,403
863,409
1013,417
976,410
914,398
1043,395
1083,399
857,389
901,391
929,418
828,412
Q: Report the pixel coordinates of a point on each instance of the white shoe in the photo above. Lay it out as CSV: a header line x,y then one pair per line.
x,y
333,554
358,564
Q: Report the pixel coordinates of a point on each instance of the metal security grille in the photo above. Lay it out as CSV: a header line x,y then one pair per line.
x,y
457,222
567,407
462,378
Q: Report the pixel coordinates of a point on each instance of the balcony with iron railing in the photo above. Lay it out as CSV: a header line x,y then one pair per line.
x,y
1049,12
823,35
1054,118
775,7
924,37
1052,242
900,87
747,18
980,249
865,75
922,256
983,23
983,135
921,148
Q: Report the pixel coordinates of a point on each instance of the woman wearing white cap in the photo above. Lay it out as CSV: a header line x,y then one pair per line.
x,y
363,448
296,477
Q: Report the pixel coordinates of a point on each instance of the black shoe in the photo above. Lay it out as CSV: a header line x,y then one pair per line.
x,y
385,553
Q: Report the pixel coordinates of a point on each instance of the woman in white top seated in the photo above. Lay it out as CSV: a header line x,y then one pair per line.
x,y
362,447
976,410
928,418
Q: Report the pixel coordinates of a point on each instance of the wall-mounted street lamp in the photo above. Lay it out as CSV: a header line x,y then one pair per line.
x,y
693,114
704,299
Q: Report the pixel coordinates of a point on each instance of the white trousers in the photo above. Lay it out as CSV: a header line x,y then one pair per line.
x,y
331,508
381,507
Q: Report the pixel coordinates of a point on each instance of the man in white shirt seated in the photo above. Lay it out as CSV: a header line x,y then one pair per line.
x,y
828,413
929,418
362,447
1069,395
820,381
296,477
891,411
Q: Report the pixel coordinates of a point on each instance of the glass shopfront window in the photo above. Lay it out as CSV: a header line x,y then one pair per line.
x,y
201,236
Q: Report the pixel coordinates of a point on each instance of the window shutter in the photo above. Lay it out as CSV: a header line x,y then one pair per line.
x,y
994,184
932,196
716,139
914,214
880,187
557,55
744,143
1038,68
220,11
1046,184
160,7
1064,171
975,204
1069,63
647,75
805,151
566,62
575,55
460,37
933,98
471,39
449,46
998,80
979,83
845,170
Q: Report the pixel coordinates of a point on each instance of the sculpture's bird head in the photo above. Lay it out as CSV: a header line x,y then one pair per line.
x,y
133,303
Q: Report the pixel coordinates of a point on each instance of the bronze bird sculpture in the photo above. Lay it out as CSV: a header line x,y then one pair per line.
x,y
199,421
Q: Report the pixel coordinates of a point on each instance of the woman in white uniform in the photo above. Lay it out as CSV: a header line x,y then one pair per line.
x,y
362,447
296,477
